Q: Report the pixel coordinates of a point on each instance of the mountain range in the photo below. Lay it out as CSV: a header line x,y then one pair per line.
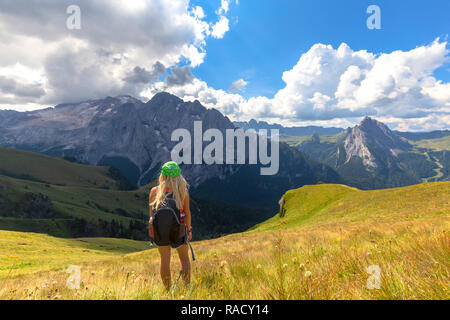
x,y
131,139
371,156
135,138
288,131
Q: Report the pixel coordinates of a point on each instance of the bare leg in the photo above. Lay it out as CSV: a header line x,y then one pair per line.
x,y
164,252
183,253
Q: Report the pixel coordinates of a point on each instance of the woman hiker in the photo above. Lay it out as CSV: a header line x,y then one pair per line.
x,y
170,220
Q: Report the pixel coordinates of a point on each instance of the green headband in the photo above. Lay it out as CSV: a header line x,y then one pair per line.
x,y
171,169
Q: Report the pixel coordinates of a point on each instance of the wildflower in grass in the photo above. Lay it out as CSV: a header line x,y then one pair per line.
x,y
285,266
294,260
302,266
258,266
223,264
308,274
54,282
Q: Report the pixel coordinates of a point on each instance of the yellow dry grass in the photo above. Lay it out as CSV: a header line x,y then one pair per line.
x,y
288,258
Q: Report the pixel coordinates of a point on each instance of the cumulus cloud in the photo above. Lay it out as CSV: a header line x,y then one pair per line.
x,y
141,75
43,63
224,7
238,85
114,52
227,103
11,86
180,76
220,28
331,86
198,12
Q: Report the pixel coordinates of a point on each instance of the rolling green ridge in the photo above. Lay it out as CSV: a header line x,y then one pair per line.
x,y
41,168
436,144
327,203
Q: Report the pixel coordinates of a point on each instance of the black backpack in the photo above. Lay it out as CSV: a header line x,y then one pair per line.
x,y
167,227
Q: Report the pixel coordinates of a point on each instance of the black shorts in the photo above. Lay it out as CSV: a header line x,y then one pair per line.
x,y
174,244
173,240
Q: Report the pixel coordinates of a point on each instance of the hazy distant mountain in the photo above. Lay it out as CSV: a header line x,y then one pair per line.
x,y
370,155
289,131
415,136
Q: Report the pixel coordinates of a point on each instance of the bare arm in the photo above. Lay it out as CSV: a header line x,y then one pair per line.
x,y
187,211
151,197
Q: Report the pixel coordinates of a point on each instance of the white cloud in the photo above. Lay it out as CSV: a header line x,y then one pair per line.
x,y
238,85
63,65
339,86
220,28
224,7
43,63
198,12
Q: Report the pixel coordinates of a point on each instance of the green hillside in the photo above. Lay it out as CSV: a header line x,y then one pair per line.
x,y
436,144
331,203
65,199
320,249
69,211
41,168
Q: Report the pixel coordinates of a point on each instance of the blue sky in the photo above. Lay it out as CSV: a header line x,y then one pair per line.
x,y
291,62
267,38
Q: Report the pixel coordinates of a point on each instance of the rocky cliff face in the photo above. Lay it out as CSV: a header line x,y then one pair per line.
x,y
362,140
371,156
120,131
135,137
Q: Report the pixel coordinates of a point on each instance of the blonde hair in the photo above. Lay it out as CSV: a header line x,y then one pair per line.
x,y
178,187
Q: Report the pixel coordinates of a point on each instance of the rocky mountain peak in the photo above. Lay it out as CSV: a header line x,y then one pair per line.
x,y
164,98
370,135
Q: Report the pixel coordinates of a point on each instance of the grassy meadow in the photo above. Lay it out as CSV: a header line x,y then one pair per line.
x,y
319,249
41,168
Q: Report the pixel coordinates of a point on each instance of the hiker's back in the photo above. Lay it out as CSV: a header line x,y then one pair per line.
x,y
169,229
